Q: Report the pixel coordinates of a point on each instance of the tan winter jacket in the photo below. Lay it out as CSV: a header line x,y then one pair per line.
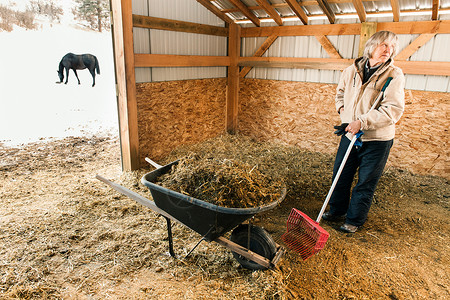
x,y
357,99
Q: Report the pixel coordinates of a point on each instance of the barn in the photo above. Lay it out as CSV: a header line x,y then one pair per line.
x,y
252,81
190,70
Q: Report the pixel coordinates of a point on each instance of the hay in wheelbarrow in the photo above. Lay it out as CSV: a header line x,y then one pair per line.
x,y
223,182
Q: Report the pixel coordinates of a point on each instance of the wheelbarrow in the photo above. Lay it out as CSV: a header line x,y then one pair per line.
x,y
251,245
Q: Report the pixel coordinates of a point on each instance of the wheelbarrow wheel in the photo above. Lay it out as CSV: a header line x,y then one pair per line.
x,y
255,239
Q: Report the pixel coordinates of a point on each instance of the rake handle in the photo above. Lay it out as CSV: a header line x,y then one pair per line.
x,y
336,178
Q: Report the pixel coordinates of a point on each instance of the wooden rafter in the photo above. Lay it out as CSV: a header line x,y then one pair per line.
x,y
246,11
323,4
261,50
414,46
358,4
395,10
270,11
301,3
371,14
215,10
328,46
360,10
435,10
297,9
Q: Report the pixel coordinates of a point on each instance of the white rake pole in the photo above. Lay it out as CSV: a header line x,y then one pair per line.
x,y
338,174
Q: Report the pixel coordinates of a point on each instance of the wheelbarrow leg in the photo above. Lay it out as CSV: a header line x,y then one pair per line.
x,y
198,243
169,235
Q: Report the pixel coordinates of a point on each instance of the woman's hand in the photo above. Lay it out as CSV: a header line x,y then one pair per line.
x,y
354,127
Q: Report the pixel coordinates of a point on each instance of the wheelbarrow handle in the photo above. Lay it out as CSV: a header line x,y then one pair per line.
x,y
153,163
136,197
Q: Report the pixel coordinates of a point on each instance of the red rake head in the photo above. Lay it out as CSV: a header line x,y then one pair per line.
x,y
304,235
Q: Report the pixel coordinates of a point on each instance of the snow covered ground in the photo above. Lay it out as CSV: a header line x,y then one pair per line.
x,y
33,106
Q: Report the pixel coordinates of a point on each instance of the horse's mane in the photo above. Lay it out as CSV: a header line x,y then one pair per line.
x,y
61,66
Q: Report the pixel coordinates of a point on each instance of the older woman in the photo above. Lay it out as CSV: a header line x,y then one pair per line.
x,y
359,86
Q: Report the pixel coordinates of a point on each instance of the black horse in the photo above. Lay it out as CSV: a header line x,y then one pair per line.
x,y
78,62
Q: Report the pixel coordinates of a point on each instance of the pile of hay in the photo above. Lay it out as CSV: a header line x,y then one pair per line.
x,y
223,182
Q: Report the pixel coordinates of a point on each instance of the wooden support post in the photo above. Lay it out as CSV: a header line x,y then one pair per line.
x,y
126,83
234,48
367,30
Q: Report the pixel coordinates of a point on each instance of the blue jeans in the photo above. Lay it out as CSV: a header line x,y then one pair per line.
x,y
371,159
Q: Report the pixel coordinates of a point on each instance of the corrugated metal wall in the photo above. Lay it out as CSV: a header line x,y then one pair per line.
x,y
166,42
180,43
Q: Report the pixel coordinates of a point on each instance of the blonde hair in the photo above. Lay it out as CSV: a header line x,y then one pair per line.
x,y
377,39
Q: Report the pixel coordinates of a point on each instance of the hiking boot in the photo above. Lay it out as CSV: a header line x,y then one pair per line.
x,y
349,228
333,218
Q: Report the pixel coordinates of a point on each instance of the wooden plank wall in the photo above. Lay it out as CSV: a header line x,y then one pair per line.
x,y
177,113
303,114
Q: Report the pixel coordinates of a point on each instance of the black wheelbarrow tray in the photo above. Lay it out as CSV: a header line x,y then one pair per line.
x,y
251,245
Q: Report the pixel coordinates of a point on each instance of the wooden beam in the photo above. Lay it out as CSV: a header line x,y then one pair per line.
x,y
212,8
417,27
414,46
270,11
360,10
181,26
395,10
435,10
327,10
126,83
166,60
247,12
303,30
437,68
328,46
298,11
296,63
234,49
367,30
261,50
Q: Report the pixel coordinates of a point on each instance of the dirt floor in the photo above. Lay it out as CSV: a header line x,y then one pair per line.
x,y
66,235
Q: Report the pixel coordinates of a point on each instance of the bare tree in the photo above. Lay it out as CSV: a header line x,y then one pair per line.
x,y
93,12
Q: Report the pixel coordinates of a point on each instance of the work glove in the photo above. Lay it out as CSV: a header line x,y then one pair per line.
x,y
340,129
358,142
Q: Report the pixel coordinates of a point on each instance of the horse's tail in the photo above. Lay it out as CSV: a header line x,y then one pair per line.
x,y
97,66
